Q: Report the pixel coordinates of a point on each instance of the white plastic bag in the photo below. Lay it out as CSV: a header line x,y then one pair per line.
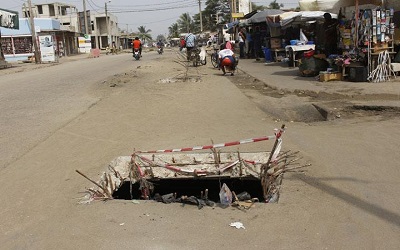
x,y
225,195
303,37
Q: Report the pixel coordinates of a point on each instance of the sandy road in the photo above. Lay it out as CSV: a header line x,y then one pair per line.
x,y
347,200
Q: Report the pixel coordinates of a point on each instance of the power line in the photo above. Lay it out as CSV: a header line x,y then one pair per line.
x,y
152,9
154,4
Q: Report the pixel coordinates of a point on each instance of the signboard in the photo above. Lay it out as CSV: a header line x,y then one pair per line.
x,y
238,15
244,6
85,44
47,48
9,19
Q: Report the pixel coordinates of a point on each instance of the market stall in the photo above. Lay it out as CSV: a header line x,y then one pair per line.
x,y
299,32
366,37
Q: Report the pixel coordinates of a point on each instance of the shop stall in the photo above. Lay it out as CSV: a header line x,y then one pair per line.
x,y
299,32
366,45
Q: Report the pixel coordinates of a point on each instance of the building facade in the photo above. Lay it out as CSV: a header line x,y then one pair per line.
x,y
103,28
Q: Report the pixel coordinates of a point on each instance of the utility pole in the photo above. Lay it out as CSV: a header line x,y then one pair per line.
x,y
34,41
201,19
107,24
85,17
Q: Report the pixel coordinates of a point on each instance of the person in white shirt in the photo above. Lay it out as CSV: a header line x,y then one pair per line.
x,y
227,60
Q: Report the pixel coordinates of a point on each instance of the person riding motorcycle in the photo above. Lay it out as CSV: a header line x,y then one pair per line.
x,y
160,45
137,44
190,40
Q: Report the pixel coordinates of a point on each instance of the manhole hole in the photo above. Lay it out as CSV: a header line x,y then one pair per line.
x,y
192,187
175,175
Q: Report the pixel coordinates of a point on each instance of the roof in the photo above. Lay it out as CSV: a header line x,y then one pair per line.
x,y
335,5
261,16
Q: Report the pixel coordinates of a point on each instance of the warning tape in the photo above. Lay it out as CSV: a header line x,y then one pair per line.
x,y
219,145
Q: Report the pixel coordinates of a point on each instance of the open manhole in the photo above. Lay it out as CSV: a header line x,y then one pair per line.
x,y
192,187
237,178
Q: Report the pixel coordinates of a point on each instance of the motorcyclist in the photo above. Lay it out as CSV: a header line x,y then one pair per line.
x,y
160,45
137,44
190,40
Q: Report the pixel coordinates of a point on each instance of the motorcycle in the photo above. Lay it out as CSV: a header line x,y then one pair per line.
x,y
136,54
160,50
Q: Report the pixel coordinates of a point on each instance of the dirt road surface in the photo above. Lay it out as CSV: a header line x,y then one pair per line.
x,y
83,113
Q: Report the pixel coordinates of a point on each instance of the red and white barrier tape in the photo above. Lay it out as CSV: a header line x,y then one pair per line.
x,y
220,145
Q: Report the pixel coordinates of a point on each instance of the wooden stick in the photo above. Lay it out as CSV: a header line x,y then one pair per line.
x,y
95,183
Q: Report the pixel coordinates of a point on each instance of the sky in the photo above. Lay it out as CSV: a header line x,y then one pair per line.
x,y
156,15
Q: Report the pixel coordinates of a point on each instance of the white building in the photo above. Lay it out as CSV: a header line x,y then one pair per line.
x,y
102,27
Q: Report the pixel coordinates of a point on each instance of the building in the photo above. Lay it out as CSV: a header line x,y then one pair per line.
x,y
103,27
17,44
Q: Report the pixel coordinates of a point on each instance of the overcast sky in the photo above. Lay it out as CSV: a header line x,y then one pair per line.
x,y
156,15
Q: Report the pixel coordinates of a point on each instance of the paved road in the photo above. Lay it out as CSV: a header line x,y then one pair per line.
x,y
346,200
35,103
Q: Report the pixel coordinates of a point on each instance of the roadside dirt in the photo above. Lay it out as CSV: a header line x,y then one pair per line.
x,y
329,105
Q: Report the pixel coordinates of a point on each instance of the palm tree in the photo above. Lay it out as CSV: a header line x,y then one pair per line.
x,y
173,30
143,34
185,23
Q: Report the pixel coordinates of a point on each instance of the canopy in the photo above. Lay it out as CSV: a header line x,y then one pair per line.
x,y
335,5
231,25
261,16
290,17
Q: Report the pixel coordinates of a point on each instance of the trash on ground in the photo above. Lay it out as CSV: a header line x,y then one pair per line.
x,y
237,224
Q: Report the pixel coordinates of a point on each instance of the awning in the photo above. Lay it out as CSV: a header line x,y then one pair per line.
x,y
231,25
291,17
335,5
261,17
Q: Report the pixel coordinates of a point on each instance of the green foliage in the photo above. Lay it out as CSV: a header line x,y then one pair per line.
x,y
144,34
173,30
275,5
257,7
212,9
160,37
186,23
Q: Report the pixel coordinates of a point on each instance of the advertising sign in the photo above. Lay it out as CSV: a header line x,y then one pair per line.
x,y
47,48
85,44
9,19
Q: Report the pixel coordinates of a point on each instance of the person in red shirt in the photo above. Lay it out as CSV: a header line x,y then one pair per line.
x,y
137,44
182,43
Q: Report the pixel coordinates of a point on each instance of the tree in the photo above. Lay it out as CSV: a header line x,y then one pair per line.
x,y
275,5
173,30
185,23
161,37
143,34
257,7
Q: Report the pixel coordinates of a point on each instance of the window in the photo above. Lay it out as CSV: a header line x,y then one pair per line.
x,y
40,9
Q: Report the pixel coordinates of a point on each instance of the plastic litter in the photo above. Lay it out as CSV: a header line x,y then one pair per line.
x,y
225,195
237,224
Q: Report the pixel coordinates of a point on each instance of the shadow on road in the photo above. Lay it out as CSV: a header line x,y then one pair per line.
x,y
373,209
